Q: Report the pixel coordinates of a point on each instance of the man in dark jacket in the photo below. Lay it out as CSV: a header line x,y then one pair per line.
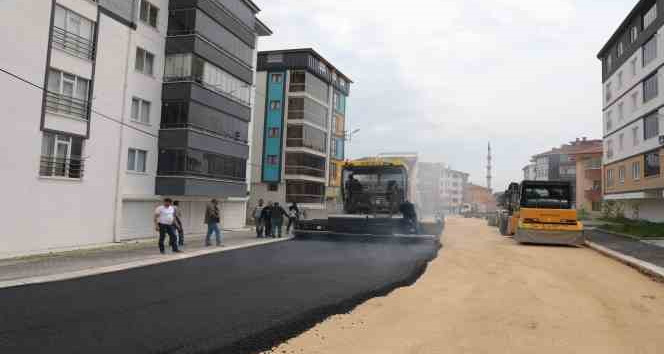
x,y
407,209
212,218
278,214
266,215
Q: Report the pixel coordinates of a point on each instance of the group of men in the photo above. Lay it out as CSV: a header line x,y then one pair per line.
x,y
168,221
269,219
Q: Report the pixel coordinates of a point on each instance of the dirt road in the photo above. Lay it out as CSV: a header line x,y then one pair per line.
x,y
486,294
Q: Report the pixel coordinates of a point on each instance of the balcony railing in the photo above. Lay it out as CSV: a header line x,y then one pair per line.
x,y
305,198
57,103
73,44
305,170
52,166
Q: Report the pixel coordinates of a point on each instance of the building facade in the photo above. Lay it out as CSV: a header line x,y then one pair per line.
x,y
298,129
589,177
633,103
530,172
452,188
479,198
85,166
428,187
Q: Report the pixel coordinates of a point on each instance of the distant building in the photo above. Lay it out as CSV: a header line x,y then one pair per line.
x,y
632,107
452,187
529,172
479,198
298,129
428,187
559,164
589,177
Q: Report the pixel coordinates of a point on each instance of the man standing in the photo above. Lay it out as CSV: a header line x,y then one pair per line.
x,y
212,221
266,215
278,214
164,218
178,223
258,220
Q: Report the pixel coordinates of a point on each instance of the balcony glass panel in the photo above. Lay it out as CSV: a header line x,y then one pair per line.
x,y
306,136
308,110
191,162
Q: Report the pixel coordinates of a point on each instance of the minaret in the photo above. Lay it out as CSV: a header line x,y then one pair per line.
x,y
488,167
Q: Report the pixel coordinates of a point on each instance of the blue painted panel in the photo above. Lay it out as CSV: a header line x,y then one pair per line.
x,y
339,148
274,127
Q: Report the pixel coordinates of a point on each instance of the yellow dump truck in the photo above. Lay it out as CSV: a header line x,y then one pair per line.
x,y
541,212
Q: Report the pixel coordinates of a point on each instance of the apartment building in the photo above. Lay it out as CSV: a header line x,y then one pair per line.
x,y
632,61
479,198
589,176
85,151
428,187
452,188
298,129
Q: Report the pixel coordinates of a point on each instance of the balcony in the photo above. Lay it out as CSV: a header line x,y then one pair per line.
x,y
305,171
593,195
73,44
61,104
52,166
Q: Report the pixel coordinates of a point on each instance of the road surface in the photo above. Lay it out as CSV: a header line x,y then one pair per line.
x,y
486,294
231,302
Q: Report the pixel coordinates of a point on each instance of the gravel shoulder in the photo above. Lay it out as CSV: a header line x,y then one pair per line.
x,y
486,294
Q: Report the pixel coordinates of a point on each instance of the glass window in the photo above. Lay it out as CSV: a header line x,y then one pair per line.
x,y
650,16
144,61
621,49
276,78
651,126
140,110
609,177
650,88
609,121
635,136
636,170
609,149
61,156
621,111
650,50
275,58
136,160
275,105
67,94
306,136
621,174
634,34
621,138
149,13
308,110
652,164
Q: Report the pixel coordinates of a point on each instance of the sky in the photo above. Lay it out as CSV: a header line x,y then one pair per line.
x,y
445,77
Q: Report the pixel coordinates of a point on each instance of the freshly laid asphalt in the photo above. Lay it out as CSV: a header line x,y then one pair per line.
x,y
240,301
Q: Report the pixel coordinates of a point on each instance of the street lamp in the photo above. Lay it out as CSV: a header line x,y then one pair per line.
x,y
349,137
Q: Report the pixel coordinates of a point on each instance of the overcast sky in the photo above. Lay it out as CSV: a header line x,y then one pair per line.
x,y
444,77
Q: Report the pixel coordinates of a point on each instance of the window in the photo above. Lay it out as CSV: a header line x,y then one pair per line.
x,y
649,50
140,110
635,101
275,105
298,163
634,34
136,160
621,139
306,136
633,64
275,58
621,49
61,156
635,136
621,111
609,62
272,160
144,61
621,174
620,79
67,94
192,162
608,92
609,121
276,78
651,164
304,81
651,126
308,110
73,33
273,187
650,16
609,178
596,206
273,132
149,13
609,149
650,88
636,170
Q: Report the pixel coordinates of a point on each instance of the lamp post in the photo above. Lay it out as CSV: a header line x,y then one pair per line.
x,y
348,135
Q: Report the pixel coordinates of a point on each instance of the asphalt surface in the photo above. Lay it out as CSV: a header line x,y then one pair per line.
x,y
629,246
240,301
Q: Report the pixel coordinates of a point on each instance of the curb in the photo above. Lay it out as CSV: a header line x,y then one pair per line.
x,y
652,270
129,265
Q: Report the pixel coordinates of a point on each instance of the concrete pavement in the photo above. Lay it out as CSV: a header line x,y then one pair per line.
x,y
126,255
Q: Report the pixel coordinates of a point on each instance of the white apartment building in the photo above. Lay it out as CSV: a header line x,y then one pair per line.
x,y
633,103
452,187
84,90
530,172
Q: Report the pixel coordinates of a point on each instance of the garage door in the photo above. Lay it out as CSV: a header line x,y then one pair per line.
x,y
233,215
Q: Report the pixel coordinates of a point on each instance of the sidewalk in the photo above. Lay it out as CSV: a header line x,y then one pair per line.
x,y
74,264
648,256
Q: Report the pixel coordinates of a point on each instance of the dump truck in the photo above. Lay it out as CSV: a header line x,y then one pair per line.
x,y
540,212
376,202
